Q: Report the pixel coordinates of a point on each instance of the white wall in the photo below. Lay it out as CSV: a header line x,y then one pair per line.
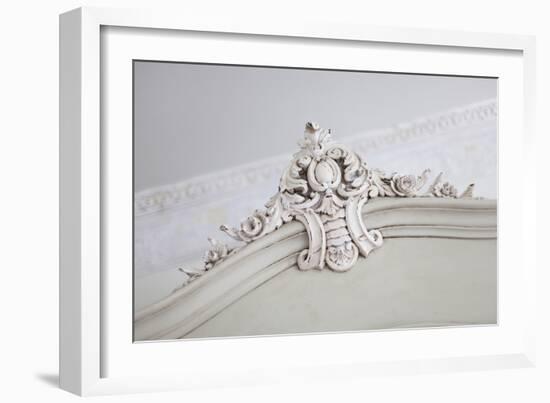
x,y
29,211
192,119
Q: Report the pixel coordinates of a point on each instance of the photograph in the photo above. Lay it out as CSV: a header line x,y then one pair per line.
x,y
277,203
276,200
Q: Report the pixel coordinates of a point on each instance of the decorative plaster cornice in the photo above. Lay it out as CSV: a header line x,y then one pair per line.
x,y
471,115
202,188
195,190
325,187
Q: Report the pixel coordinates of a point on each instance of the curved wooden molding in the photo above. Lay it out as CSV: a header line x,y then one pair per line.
x,y
257,262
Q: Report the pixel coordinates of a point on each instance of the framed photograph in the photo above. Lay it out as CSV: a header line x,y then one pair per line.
x,y
250,201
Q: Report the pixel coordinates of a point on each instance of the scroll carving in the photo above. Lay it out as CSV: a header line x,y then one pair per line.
x,y
325,187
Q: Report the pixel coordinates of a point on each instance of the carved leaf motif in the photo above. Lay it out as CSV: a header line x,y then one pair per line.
x,y
408,185
294,178
262,222
342,258
380,185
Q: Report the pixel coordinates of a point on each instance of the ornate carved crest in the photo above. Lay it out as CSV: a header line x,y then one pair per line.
x,y
325,187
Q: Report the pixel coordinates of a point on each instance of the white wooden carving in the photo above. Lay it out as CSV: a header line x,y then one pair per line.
x,y
325,187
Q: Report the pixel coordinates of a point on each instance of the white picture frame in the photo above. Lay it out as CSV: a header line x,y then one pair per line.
x,y
96,354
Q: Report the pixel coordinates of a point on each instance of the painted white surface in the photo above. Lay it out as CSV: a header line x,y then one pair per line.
x,y
29,31
441,250
182,110
381,292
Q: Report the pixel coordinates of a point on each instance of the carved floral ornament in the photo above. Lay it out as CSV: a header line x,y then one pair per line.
x,y
325,187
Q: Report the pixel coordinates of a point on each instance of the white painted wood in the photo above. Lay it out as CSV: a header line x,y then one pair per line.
x,y
461,230
294,27
70,276
79,316
410,283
